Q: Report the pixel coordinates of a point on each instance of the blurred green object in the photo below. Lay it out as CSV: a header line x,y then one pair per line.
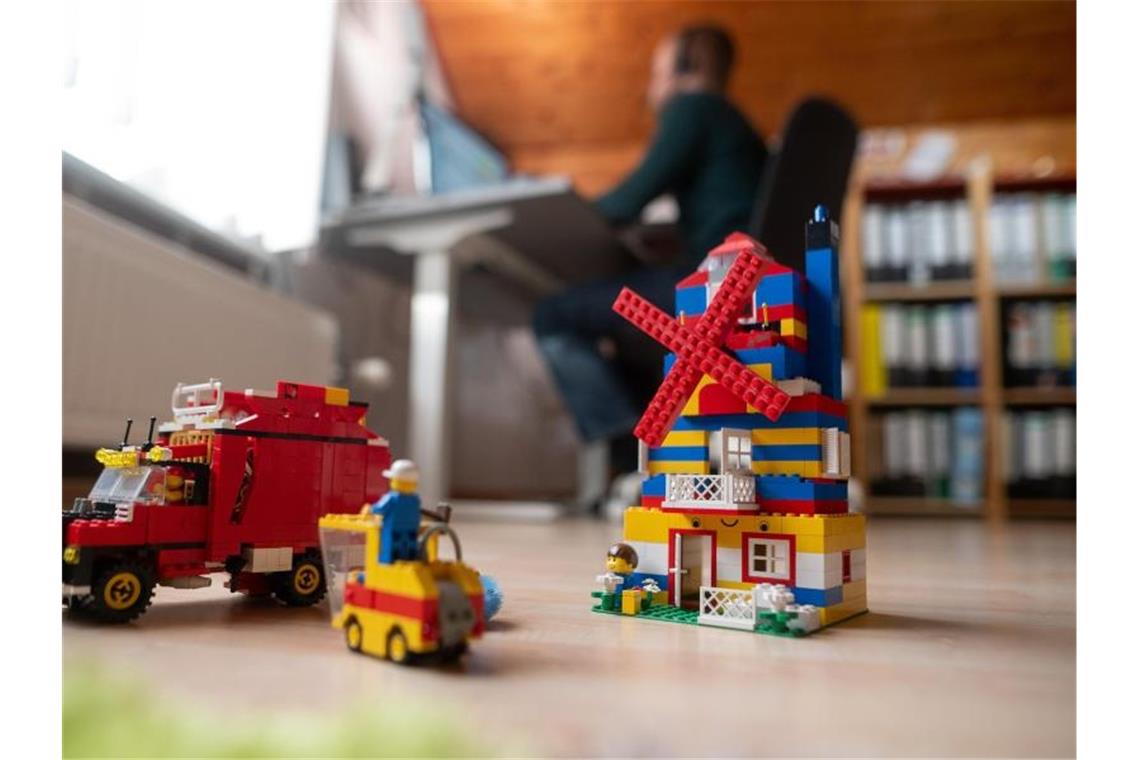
x,y
109,715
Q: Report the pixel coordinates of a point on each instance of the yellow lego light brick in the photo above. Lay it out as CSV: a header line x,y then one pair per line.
x,y
336,396
825,525
793,326
651,525
854,591
842,611
828,544
788,436
686,438
630,602
681,468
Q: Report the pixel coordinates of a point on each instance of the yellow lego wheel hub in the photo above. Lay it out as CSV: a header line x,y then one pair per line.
x,y
306,579
122,590
397,647
354,636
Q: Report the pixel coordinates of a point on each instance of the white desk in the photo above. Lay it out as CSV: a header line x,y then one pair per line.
x,y
545,236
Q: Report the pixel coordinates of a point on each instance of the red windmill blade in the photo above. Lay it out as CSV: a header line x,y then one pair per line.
x,y
698,352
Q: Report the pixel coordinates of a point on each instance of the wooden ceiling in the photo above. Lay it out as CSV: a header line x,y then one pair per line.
x,y
559,85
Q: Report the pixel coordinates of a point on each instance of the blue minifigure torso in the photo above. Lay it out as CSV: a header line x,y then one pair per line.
x,y
401,515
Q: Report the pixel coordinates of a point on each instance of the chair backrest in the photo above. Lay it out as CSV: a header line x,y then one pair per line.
x,y
810,168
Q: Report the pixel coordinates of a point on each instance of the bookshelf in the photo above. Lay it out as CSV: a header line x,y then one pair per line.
x,y
1035,157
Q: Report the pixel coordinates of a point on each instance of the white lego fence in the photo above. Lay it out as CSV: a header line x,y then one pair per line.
x,y
723,491
727,608
735,608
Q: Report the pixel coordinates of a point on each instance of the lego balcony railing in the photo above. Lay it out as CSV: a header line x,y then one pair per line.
x,y
725,491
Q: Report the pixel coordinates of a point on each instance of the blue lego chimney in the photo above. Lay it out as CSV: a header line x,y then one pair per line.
x,y
821,270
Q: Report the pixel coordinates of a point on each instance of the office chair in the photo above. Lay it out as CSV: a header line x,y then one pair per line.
x,y
811,168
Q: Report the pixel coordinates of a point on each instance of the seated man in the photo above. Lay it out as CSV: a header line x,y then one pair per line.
x,y
707,155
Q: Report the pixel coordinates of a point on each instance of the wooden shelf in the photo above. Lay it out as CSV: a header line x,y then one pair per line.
x,y
934,291
1038,290
1043,508
996,164
927,397
1039,396
914,505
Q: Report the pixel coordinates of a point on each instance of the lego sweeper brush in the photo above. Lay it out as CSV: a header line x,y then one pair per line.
x,y
743,520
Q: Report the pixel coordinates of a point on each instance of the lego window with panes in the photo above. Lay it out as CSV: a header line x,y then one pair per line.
x,y
768,559
731,450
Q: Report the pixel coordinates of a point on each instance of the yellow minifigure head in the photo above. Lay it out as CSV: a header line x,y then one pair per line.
x,y
403,476
621,559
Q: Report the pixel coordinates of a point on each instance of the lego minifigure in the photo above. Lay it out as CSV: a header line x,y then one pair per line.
x,y
621,561
400,509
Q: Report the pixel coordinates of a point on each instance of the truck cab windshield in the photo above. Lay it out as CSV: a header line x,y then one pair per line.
x,y
135,484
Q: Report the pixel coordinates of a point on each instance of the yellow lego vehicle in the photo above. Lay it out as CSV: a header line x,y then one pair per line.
x,y
407,610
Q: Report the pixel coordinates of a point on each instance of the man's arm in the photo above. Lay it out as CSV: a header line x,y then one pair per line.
x,y
673,152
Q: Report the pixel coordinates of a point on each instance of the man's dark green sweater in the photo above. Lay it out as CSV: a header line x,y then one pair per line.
x,y
707,156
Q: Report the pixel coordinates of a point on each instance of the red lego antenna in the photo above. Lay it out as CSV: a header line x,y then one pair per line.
x,y
697,347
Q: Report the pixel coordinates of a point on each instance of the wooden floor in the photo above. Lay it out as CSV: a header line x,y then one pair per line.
x,y
969,649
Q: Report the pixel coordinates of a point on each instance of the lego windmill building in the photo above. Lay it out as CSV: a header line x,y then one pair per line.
x,y
743,521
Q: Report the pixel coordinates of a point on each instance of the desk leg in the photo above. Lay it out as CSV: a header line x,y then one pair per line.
x,y
433,306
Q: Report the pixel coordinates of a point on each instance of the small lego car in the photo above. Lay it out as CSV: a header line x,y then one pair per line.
x,y
407,610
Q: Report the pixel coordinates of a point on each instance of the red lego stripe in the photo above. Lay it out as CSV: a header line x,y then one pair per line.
x,y
816,402
392,604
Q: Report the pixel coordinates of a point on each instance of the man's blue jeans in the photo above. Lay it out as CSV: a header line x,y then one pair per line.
x,y
605,391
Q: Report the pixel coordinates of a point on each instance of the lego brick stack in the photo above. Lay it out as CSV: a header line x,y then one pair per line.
x,y
737,497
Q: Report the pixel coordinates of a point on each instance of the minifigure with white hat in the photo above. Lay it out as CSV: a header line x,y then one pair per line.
x,y
400,510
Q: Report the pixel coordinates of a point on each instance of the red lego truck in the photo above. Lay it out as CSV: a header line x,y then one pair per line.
x,y
235,483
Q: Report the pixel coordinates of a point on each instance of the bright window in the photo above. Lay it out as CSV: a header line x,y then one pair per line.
x,y
218,110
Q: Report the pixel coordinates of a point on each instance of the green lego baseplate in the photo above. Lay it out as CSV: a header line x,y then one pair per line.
x,y
771,623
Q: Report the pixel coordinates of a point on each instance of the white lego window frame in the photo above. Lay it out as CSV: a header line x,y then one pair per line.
x,y
768,558
735,450
836,453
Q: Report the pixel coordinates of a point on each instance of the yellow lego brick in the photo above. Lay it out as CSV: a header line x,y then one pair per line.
x,y
842,611
828,544
825,525
411,579
651,525
682,468
793,326
336,396
686,438
763,467
763,370
630,602
854,590
729,529
788,436
692,407
375,627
